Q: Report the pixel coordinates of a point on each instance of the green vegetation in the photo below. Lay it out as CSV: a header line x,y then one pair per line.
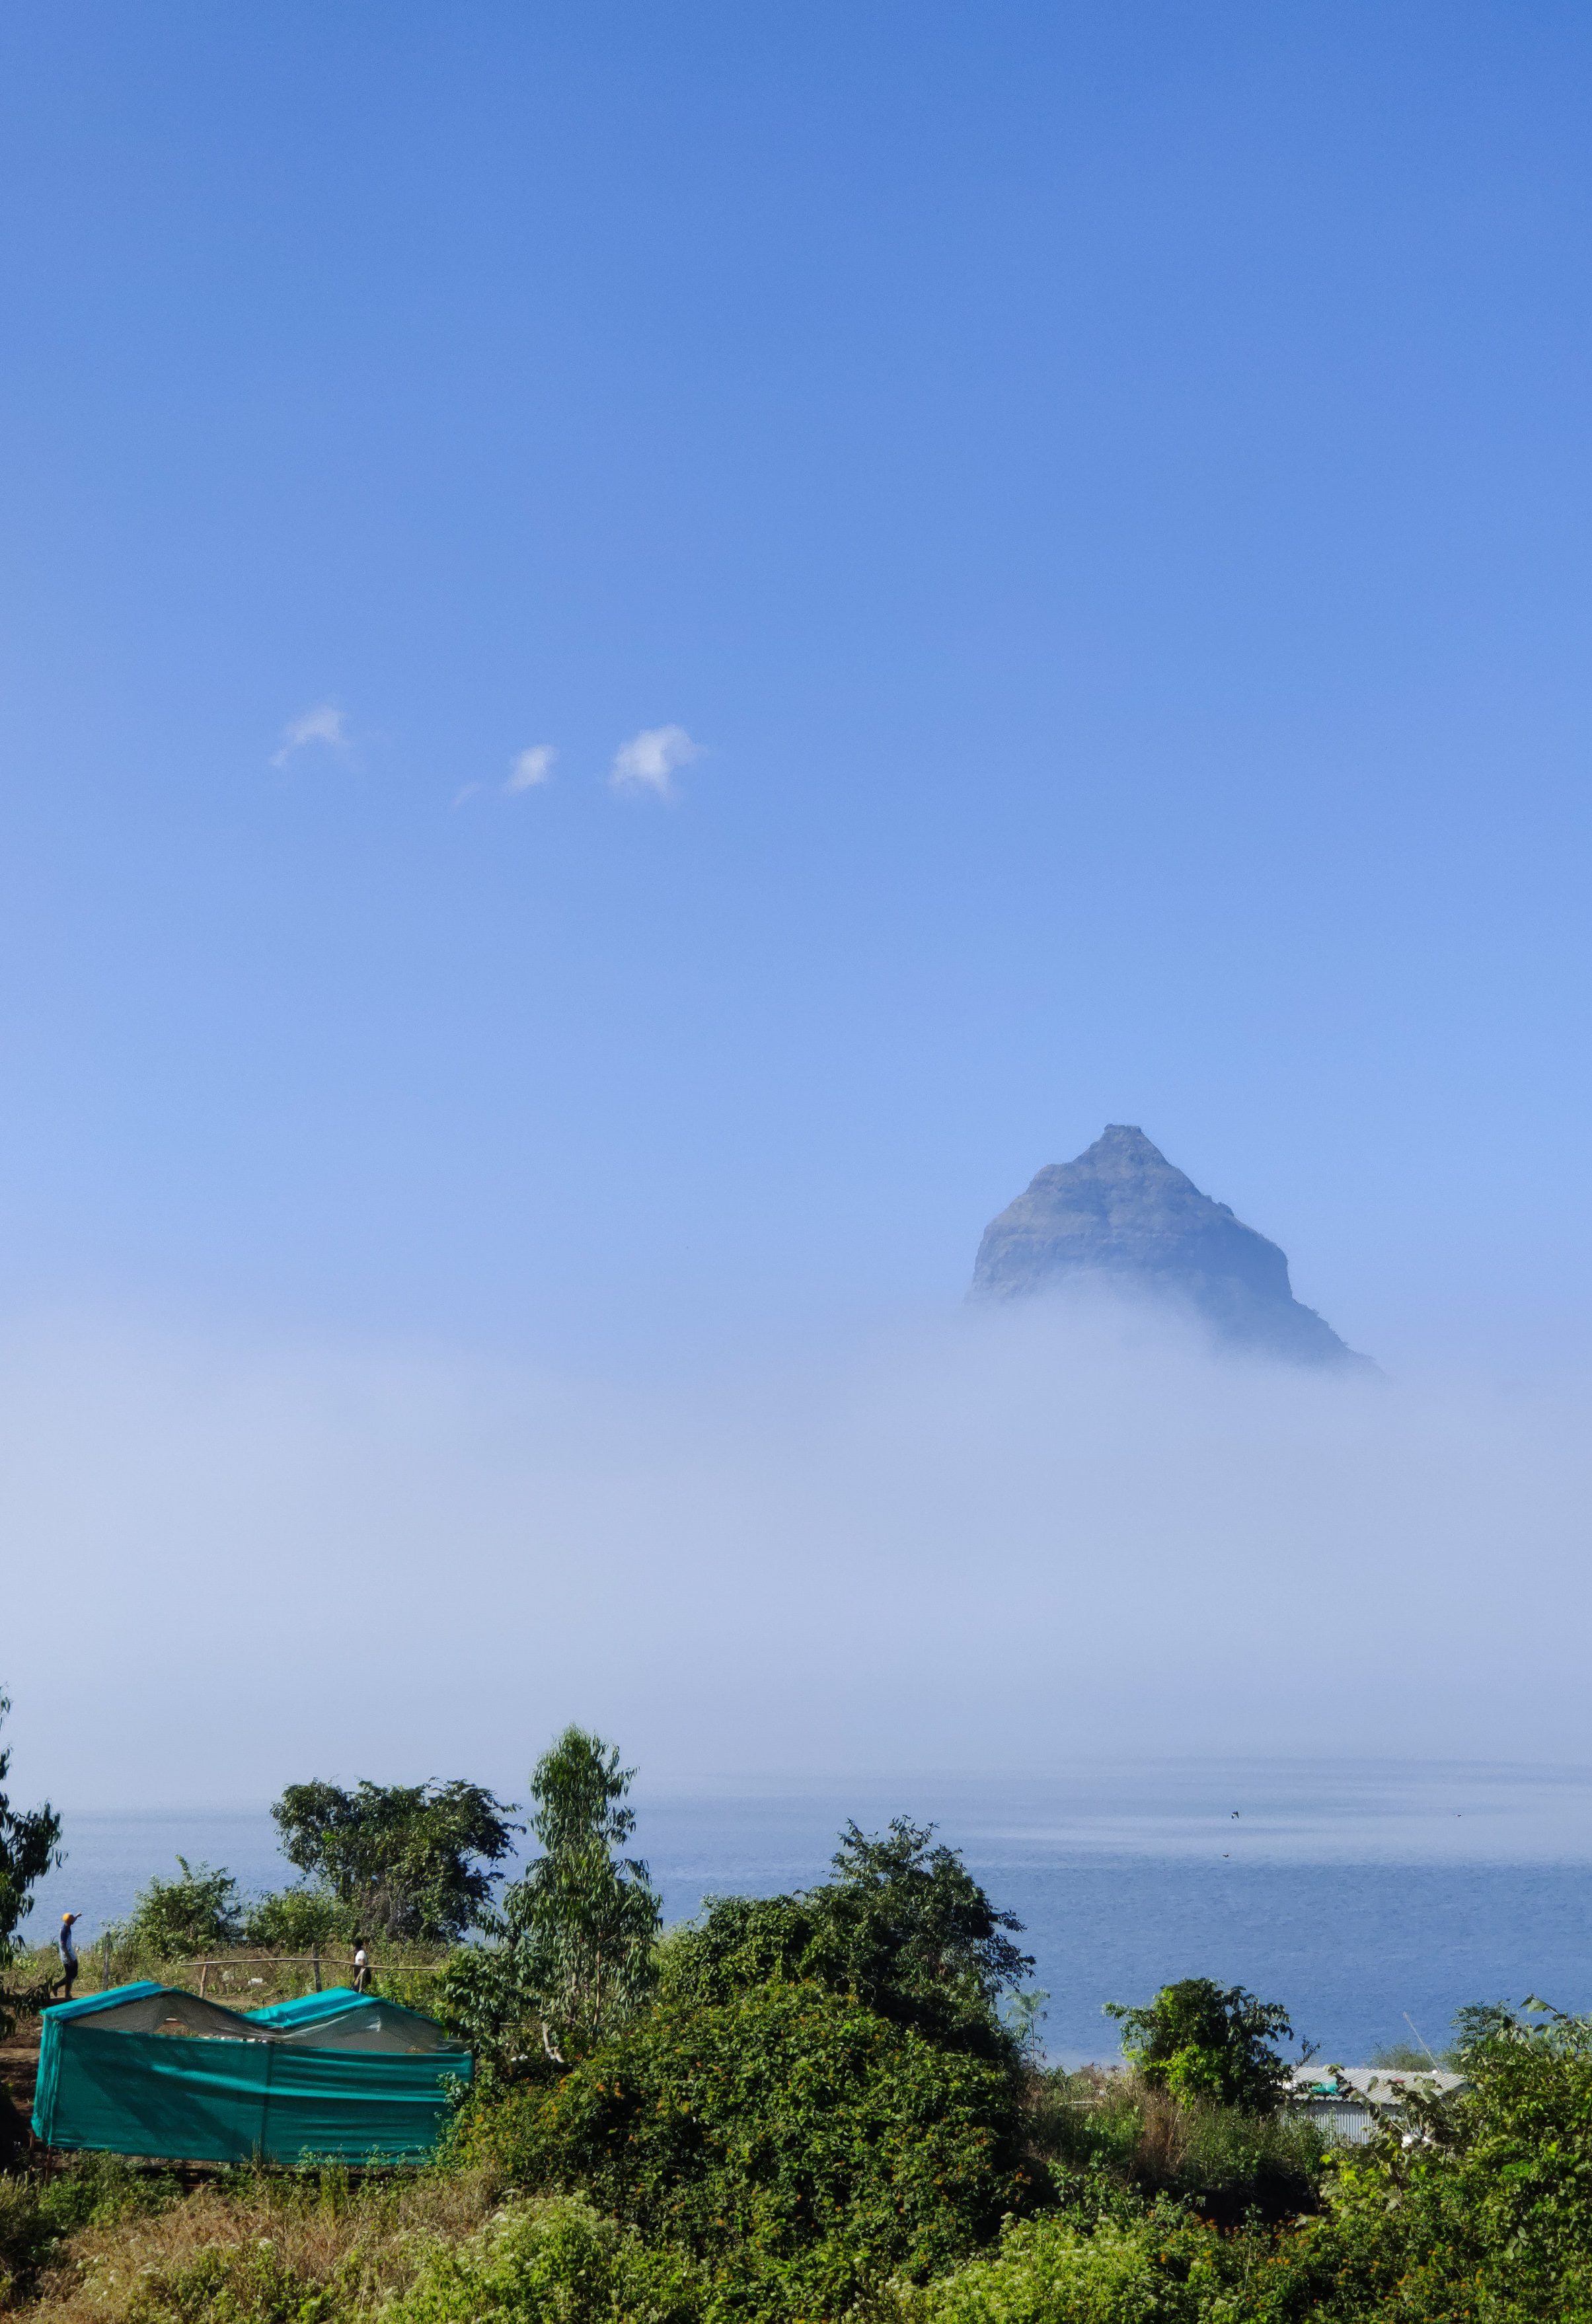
x,y
1200,2040
903,1926
572,1950
409,1865
404,1861
558,2259
37,2216
183,1919
30,1843
297,1920
827,2107
797,2143
1119,2130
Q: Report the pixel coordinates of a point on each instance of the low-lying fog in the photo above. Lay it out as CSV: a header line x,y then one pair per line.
x,y
994,1542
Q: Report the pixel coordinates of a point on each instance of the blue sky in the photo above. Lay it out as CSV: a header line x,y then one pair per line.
x,y
1106,490
1103,490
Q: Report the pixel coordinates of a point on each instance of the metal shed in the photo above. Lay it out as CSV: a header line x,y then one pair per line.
x,y
1347,2103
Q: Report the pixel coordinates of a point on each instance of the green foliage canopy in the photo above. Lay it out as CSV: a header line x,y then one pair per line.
x,y
560,2261
571,1955
297,1920
903,1926
181,1920
30,1844
798,2142
1201,2040
405,1861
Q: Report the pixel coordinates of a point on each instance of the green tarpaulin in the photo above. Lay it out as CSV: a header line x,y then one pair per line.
x,y
150,2070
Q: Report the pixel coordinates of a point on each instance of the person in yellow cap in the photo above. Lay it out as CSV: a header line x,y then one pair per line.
x,y
69,1955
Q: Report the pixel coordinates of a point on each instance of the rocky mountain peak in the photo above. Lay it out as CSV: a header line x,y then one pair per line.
x,y
1123,1213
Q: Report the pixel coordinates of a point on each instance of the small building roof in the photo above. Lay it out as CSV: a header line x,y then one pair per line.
x,y
1386,2086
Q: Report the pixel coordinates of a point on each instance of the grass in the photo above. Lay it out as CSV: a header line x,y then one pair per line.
x,y
1227,2165
254,2241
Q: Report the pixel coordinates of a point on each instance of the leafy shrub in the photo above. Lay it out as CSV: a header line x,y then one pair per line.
x,y
233,2286
1225,2162
37,2215
30,1843
1402,2057
404,1861
180,1920
799,2143
1202,2041
1052,2272
1488,2210
573,1943
903,1926
559,2261
296,1921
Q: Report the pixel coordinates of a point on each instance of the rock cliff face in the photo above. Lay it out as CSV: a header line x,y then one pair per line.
x,y
1123,1213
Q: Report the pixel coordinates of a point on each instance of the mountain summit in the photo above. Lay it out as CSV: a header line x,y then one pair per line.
x,y
1123,1212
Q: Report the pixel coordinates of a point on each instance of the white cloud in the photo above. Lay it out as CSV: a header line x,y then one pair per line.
x,y
649,760
467,791
325,723
531,767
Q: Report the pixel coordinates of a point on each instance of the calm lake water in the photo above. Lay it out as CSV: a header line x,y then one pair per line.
x,y
1355,1893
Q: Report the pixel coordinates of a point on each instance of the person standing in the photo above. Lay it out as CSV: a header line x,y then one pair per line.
x,y
69,1955
361,1968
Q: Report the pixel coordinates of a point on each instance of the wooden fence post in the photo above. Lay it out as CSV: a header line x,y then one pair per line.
x,y
315,1965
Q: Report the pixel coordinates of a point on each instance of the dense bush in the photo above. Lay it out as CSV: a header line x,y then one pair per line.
x,y
297,1921
30,1843
790,2138
1203,2040
233,2286
1157,2269
1226,2162
37,2215
903,1926
560,2261
180,1920
1488,2211
411,1861
572,1946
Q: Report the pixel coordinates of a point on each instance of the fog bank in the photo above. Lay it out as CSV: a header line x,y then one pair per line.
x,y
990,1543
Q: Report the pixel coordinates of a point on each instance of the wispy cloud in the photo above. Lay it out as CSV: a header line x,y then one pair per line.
x,y
531,767
648,762
326,724
468,792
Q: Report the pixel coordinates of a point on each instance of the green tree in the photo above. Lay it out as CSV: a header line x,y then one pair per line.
x,y
800,2145
904,1925
1199,2040
404,1861
572,1949
181,1919
297,1921
29,1846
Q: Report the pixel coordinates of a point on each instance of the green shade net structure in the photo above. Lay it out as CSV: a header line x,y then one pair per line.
x,y
150,2070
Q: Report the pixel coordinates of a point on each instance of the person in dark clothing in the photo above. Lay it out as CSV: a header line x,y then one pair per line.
x,y
69,1955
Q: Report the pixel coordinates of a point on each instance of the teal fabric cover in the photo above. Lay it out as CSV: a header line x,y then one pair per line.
x,y
310,2006
184,2099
